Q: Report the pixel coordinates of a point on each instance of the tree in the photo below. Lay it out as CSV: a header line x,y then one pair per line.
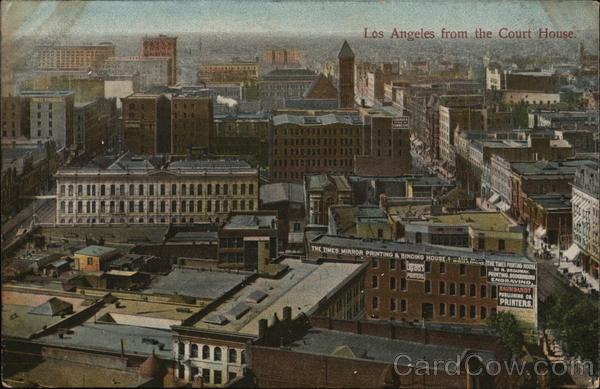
x,y
507,325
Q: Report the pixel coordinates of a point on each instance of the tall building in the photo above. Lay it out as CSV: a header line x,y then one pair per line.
x,y
15,117
73,57
282,56
191,122
346,77
95,125
147,123
162,46
385,145
314,144
151,71
586,213
51,116
135,189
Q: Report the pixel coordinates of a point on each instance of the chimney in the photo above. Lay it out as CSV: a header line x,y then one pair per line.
x,y
287,313
262,328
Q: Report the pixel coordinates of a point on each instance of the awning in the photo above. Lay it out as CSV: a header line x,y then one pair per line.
x,y
503,206
540,232
572,252
494,198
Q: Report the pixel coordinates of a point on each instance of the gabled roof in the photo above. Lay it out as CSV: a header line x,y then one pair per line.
x,y
53,307
321,88
346,51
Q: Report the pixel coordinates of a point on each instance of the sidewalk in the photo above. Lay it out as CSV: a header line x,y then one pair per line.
x,y
573,273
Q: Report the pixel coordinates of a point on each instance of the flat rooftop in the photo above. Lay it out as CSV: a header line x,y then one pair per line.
x,y
355,346
96,251
138,313
197,283
392,246
488,221
301,288
251,222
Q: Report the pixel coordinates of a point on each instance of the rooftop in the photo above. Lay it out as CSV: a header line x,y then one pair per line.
x,y
46,93
322,181
488,221
96,251
197,283
282,192
301,288
194,237
328,342
547,169
285,74
251,222
316,120
555,201
379,248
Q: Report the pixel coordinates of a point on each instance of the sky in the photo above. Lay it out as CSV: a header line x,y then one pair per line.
x,y
291,17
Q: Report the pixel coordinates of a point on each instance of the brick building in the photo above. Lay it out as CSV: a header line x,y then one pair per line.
x,y
226,72
415,282
282,56
385,147
346,77
147,123
15,117
243,135
162,46
73,57
95,126
314,144
191,122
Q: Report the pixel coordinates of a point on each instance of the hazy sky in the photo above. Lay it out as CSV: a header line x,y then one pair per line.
x,y
296,17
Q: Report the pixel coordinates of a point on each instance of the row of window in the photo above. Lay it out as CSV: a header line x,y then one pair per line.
x,y
429,266
193,352
315,142
311,162
131,220
443,309
305,152
217,375
443,287
161,207
319,132
184,189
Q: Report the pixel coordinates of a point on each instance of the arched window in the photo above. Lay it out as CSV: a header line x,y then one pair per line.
x,y
205,352
232,355
194,350
217,354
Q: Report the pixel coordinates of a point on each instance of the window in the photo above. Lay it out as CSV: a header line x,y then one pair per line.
x,y
452,310
206,375
141,206
494,291
442,267
393,305
90,260
235,189
452,289
442,287
151,190
501,245
180,348
392,283
472,311
462,269
205,352
232,356
121,206
473,290
481,243
162,189
403,284
427,267
403,305
231,376
208,206
375,302
131,189
193,372
199,208
463,290
217,354
173,189
151,206
380,233
483,312
442,309
217,377
483,291
209,189
217,189
243,189
402,264
374,282
375,264
194,351
183,189
181,371
251,205
173,206
463,311
392,263
250,188
141,189
427,286
199,189
163,206
192,189
122,189
62,206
